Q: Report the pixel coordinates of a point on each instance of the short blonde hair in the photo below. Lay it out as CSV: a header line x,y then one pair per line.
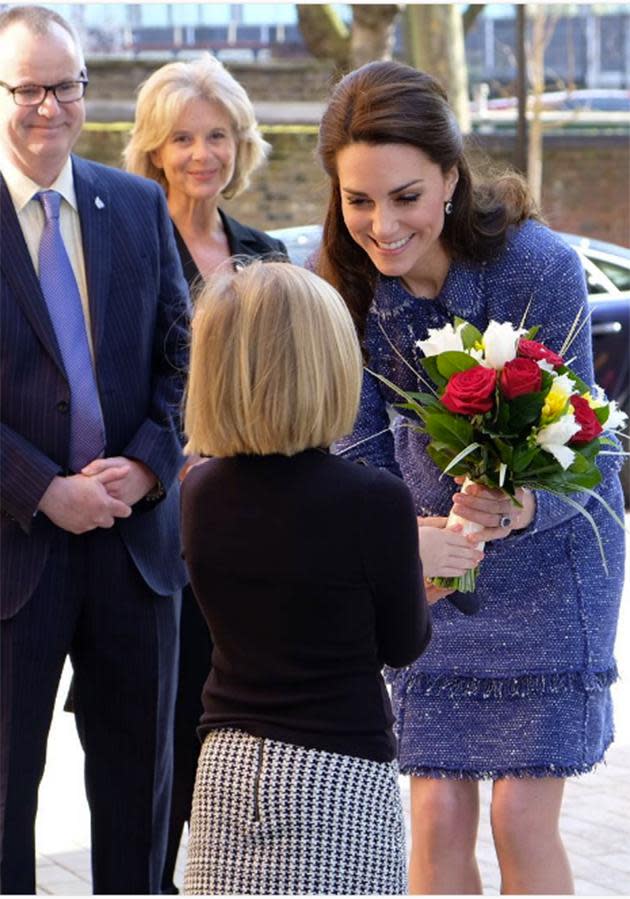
x,y
161,100
275,363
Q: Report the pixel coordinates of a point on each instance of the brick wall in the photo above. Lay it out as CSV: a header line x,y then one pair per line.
x,y
586,186
118,79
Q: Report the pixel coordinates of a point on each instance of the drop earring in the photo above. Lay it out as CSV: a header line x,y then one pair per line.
x,y
448,207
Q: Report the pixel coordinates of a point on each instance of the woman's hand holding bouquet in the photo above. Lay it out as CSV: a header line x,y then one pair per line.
x,y
508,416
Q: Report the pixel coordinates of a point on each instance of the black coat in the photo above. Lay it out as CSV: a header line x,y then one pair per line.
x,y
243,241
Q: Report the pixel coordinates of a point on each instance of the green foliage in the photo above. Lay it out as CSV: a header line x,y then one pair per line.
x,y
453,361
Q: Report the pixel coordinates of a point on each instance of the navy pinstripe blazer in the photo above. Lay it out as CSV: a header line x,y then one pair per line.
x,y
139,309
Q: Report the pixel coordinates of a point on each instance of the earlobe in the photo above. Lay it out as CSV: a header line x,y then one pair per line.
x,y
451,182
156,158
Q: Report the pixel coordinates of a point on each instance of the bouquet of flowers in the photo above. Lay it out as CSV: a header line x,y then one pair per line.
x,y
507,412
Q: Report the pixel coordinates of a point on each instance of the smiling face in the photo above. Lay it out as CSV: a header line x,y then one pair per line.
x,y
38,139
199,155
392,202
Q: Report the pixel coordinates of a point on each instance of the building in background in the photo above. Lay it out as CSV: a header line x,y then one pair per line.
x,y
589,45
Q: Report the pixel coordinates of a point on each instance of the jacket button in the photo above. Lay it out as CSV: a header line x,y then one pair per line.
x,y
63,406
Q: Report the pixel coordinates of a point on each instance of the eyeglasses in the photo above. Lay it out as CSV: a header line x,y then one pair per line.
x,y
35,94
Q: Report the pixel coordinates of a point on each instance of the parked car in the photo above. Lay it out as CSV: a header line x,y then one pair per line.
x,y
607,269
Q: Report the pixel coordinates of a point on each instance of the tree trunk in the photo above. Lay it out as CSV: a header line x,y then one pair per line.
x,y
324,33
373,32
537,81
436,45
542,30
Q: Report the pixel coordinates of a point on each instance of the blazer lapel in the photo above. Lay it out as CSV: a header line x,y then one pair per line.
x,y
95,214
16,265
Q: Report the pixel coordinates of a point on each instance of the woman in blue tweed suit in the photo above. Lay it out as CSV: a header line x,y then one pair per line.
x,y
519,692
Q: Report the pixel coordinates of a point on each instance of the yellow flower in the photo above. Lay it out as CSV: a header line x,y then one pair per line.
x,y
557,399
593,401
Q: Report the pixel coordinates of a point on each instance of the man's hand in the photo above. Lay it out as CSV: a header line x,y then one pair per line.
x,y
79,504
133,481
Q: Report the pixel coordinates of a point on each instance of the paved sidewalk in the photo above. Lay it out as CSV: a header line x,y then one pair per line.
x,y
595,820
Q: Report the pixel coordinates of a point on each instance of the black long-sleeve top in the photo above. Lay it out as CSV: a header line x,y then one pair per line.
x,y
308,574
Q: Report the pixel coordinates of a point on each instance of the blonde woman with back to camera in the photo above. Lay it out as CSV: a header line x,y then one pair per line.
x,y
306,567
195,133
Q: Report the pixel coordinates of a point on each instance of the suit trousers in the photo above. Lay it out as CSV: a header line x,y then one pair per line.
x,y
92,604
195,659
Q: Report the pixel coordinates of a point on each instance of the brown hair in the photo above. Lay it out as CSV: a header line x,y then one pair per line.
x,y
392,103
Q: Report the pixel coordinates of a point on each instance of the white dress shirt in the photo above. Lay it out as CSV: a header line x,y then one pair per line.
x,y
31,218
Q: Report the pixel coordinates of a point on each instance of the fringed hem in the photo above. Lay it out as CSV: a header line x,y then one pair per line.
x,y
562,771
452,686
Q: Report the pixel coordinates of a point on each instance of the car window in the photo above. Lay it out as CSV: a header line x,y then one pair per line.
x,y
618,274
597,280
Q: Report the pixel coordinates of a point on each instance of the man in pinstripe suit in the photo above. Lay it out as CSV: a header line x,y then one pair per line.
x,y
90,551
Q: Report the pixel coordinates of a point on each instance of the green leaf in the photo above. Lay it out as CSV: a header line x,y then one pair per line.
x,y
523,456
525,410
426,399
458,458
412,407
450,429
602,413
429,363
453,361
443,458
504,451
470,336
532,332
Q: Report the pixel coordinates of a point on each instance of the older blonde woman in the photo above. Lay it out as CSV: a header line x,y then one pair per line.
x,y
195,133
306,567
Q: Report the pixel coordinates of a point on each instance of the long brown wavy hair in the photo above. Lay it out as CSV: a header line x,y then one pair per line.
x,y
392,103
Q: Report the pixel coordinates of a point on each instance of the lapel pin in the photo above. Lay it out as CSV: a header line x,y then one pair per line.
x,y
99,203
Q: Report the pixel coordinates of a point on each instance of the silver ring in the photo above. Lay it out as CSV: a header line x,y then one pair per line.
x,y
505,521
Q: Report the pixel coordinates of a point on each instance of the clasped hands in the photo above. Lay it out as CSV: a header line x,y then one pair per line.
x,y
447,552
104,490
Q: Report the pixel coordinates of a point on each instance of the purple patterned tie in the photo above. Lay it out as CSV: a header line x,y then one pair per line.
x,y
61,292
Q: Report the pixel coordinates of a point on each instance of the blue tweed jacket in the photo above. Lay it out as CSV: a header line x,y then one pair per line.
x,y
548,607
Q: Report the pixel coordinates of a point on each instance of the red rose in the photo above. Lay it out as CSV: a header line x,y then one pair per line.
x,y
520,376
590,427
530,349
470,391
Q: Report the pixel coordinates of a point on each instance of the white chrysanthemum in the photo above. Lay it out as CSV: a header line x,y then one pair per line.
x,y
500,340
617,419
554,437
441,340
564,384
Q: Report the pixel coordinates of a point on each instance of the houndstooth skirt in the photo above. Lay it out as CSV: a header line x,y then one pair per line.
x,y
272,818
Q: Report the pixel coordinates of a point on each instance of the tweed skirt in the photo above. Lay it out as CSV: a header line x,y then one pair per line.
x,y
273,818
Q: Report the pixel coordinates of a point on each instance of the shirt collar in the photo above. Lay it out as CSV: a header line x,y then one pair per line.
x,y
22,188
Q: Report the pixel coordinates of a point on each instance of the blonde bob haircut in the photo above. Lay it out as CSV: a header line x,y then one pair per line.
x,y
162,99
275,363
